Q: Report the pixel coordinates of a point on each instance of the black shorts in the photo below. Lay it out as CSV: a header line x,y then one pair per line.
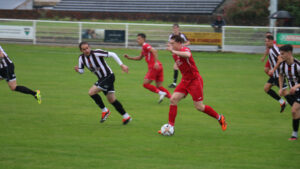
x,y
106,84
296,97
274,82
8,73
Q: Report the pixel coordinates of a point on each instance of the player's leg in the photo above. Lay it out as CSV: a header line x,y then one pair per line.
x,y
147,85
211,112
175,76
273,94
22,89
159,85
9,74
93,93
159,82
150,76
118,106
296,118
175,98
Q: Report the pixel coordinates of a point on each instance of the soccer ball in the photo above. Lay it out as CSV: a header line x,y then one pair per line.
x,y
167,130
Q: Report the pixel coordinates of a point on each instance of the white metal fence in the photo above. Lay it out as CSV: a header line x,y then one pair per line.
x,y
250,39
235,38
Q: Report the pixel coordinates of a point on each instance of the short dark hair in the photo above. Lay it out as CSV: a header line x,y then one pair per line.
x,y
286,48
142,35
83,43
268,32
176,24
270,37
177,38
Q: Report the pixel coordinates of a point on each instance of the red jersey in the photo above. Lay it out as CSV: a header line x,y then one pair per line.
x,y
149,57
186,65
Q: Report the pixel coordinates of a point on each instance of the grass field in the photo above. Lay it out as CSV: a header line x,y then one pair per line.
x,y
64,131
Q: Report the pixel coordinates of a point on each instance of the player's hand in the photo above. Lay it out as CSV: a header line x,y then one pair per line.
x,y
124,68
76,68
293,90
126,56
271,72
262,59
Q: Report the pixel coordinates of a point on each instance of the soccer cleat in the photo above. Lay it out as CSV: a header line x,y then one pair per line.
x,y
104,116
293,138
159,131
283,105
127,120
38,96
223,123
173,85
161,97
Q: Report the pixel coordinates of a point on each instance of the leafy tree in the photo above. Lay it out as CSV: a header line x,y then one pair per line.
x,y
256,12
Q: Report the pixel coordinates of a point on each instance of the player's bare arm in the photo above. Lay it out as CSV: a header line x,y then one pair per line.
x,y
280,81
134,58
186,43
154,52
265,55
180,53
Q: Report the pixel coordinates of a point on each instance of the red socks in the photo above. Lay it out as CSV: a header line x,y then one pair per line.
x,y
165,90
151,88
172,114
210,111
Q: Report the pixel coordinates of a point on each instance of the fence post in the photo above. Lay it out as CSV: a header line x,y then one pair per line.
x,y
223,38
275,33
34,32
126,35
79,32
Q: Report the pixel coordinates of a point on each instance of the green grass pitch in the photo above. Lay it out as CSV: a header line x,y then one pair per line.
x,y
64,131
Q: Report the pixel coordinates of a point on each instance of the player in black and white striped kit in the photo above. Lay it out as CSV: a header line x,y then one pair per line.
x,y
7,72
290,68
273,80
94,61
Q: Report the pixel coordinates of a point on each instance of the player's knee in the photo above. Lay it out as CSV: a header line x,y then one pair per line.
x,y
174,100
91,93
111,100
200,107
266,89
12,87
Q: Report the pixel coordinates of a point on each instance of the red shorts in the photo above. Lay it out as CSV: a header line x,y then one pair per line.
x,y
193,87
267,65
155,74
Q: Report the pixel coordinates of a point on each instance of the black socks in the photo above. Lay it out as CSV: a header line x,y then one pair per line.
x,y
25,90
98,100
118,106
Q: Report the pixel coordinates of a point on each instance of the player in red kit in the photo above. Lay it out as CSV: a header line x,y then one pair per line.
x,y
191,82
155,68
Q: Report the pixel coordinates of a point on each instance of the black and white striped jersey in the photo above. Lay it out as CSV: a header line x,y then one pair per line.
x,y
273,54
291,72
182,35
95,63
4,62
